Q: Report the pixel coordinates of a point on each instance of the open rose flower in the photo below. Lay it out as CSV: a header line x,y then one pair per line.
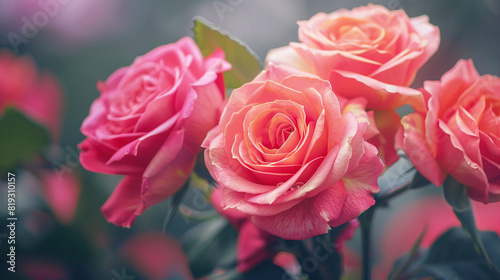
x,y
285,154
149,122
36,94
368,51
459,134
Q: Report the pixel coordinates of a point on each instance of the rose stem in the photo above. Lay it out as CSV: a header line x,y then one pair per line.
x,y
303,253
173,204
365,221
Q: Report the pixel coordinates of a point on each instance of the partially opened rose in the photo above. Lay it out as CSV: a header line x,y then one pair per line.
x,y
459,134
286,155
368,51
149,122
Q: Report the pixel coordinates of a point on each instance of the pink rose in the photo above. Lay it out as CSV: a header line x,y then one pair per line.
x,y
36,94
285,154
459,134
368,51
149,122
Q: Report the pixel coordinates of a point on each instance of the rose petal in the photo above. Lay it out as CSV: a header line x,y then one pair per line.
x,y
308,218
418,151
120,208
380,96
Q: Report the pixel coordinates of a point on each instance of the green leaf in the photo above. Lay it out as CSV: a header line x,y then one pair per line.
x,y
21,138
452,256
210,245
246,64
410,257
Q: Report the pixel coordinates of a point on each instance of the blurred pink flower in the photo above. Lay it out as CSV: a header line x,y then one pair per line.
x,y
43,269
157,257
71,23
62,191
36,94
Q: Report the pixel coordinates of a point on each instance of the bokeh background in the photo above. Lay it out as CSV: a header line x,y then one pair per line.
x,y
84,41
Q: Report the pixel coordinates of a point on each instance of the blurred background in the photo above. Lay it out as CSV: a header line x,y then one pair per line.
x,y
83,41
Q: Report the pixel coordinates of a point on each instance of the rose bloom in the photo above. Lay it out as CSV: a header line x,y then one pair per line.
x,y
286,155
459,133
149,122
36,94
368,51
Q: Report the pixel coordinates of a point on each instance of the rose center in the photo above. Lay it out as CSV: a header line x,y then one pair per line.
x,y
279,129
349,30
135,92
141,86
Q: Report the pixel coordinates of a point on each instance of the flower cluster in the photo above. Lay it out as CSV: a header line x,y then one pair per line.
x,y
298,150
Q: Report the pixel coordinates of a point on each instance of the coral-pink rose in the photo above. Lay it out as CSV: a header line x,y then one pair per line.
x,y
459,134
149,122
286,155
36,94
368,51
